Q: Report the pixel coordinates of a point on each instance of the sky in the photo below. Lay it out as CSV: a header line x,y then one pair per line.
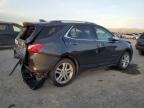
x,y
108,13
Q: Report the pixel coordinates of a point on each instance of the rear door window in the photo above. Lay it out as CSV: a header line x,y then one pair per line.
x,y
82,32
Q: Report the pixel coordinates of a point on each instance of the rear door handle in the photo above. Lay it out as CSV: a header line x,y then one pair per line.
x,y
73,43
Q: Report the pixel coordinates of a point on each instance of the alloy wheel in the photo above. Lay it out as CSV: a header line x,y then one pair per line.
x,y
64,73
125,60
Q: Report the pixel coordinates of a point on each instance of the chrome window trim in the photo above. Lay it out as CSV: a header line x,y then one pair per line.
x,y
66,36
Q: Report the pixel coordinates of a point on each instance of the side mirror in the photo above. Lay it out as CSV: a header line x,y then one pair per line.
x,y
114,38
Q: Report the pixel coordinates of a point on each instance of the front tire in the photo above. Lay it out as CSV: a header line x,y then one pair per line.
x,y
124,61
63,73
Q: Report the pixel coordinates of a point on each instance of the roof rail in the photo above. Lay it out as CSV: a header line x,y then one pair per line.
x,y
67,21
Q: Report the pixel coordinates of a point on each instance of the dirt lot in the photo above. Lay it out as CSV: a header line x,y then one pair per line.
x,y
97,88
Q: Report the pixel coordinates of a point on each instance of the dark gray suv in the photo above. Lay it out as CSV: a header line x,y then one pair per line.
x,y
59,49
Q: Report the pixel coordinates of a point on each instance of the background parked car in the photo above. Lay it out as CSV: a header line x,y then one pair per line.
x,y
8,33
131,36
127,36
140,44
135,35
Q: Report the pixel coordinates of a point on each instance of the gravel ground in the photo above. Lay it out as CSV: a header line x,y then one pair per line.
x,y
96,88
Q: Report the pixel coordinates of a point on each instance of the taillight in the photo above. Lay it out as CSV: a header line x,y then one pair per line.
x,y
35,48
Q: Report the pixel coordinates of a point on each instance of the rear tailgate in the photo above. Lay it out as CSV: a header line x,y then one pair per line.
x,y
24,38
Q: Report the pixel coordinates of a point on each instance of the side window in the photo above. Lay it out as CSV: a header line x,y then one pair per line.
x,y
3,27
82,32
16,28
52,30
103,34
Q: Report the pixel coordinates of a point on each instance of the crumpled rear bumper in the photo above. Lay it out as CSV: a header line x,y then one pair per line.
x,y
30,79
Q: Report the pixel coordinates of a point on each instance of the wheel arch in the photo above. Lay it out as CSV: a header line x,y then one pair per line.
x,y
129,51
73,59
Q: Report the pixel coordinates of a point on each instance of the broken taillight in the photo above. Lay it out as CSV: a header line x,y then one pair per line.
x,y
35,48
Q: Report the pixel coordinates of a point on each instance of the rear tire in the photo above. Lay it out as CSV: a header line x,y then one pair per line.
x,y
124,61
63,73
141,52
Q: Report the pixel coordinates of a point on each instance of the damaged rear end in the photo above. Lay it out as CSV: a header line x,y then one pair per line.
x,y
23,49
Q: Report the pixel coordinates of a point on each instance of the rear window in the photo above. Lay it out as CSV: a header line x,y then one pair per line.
x,y
3,27
16,28
49,31
27,32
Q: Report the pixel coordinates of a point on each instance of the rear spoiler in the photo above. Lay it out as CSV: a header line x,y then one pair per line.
x,y
26,24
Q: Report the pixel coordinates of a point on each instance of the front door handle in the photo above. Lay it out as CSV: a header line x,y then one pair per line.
x,y
99,45
75,43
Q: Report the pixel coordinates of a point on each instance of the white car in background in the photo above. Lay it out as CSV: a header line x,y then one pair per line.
x,y
127,36
131,36
135,36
